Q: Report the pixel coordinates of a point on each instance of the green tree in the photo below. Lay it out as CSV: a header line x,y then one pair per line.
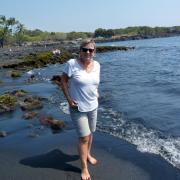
x,y
32,33
6,27
75,35
103,33
19,34
99,32
109,33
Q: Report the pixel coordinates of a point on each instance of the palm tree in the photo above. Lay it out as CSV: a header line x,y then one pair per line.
x,y
19,33
6,26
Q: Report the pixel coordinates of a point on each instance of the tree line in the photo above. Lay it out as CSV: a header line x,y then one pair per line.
x,y
137,31
14,33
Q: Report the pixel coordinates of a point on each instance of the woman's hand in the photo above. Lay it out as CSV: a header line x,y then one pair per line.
x,y
72,103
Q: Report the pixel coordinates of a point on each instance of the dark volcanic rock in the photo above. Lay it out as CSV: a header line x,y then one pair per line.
x,y
3,133
7,103
31,103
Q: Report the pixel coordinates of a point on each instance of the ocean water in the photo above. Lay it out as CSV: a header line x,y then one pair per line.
x,y
139,95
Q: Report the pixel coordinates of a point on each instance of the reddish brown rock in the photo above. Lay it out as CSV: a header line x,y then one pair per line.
x,y
53,123
57,125
30,115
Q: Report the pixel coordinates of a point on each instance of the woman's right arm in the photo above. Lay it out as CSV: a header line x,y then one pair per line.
x,y
65,79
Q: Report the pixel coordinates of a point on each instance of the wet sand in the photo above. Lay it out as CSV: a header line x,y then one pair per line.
x,y
54,157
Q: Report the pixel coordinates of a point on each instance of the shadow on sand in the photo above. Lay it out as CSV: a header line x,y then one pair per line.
x,y
55,159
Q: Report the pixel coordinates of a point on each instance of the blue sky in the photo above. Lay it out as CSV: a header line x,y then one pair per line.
x,y
83,15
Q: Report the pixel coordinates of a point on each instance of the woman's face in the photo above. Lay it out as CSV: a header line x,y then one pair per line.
x,y
87,52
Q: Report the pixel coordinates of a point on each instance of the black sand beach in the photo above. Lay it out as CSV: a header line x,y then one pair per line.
x,y
54,156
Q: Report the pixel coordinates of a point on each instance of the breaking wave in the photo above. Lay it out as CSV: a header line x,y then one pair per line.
x,y
146,140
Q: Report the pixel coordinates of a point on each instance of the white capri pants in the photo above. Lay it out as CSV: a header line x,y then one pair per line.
x,y
85,122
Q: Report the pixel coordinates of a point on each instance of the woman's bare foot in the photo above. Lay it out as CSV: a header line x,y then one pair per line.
x,y
85,174
92,160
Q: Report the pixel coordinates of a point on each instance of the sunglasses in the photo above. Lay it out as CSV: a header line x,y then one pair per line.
x,y
86,50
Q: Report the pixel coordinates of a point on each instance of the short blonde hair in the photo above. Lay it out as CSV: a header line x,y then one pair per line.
x,y
88,41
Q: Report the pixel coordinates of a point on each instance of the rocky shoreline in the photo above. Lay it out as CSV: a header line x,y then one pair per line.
x,y
18,60
14,57
13,54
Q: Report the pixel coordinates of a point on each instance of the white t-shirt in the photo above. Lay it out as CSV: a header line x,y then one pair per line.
x,y
83,86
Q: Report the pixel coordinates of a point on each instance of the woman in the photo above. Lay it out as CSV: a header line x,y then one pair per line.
x,y
80,82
